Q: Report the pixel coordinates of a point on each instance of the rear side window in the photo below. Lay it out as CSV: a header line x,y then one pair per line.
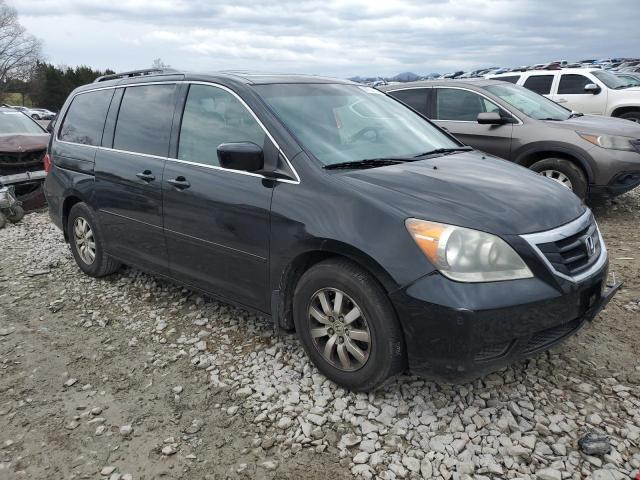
x,y
539,83
85,117
416,98
461,105
144,120
510,78
573,84
213,116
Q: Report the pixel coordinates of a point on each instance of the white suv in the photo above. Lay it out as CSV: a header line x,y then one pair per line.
x,y
586,90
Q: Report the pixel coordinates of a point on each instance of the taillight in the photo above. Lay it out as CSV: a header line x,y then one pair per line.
x,y
47,162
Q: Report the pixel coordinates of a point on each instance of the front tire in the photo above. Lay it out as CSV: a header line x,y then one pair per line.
x,y
87,243
634,116
347,325
564,172
35,117
15,214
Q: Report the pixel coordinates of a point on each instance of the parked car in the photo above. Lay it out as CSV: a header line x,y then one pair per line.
x,y
588,154
585,90
27,111
42,114
331,208
23,144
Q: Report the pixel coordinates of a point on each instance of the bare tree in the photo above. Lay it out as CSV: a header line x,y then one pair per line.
x,y
19,50
159,64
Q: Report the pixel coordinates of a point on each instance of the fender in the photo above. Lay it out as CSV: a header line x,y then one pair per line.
x,y
521,155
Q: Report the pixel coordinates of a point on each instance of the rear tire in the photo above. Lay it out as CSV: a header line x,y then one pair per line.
x,y
368,345
633,116
16,215
87,242
559,168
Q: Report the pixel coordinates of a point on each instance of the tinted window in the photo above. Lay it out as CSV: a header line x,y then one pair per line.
x,y
461,105
84,120
539,83
144,120
213,116
573,84
510,79
416,98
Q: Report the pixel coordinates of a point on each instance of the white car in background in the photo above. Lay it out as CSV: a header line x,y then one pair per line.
x,y
586,90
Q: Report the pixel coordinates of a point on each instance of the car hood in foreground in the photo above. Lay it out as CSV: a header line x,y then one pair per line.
x,y
471,190
599,125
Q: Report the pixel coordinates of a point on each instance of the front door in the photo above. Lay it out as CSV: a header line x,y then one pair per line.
x,y
457,109
128,175
217,220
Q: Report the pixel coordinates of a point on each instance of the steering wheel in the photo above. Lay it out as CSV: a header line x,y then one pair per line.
x,y
363,134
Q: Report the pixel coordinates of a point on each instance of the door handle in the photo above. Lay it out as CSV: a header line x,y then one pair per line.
x,y
146,176
179,182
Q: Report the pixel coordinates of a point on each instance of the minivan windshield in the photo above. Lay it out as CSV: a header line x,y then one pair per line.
x,y
340,123
14,122
528,102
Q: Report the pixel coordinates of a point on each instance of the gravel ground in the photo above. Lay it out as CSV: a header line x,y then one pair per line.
x,y
131,377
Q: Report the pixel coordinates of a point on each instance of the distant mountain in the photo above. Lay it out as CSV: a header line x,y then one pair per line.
x,y
405,77
401,77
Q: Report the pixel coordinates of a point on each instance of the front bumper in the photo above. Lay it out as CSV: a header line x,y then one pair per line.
x,y
616,172
507,321
26,177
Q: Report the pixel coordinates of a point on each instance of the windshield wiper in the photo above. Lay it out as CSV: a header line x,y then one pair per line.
x,y
444,151
576,114
551,119
367,163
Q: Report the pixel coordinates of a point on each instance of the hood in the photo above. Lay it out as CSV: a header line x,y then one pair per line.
x,y
599,125
18,143
471,190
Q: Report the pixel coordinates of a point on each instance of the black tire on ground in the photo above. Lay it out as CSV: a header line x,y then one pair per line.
x,y
16,215
102,264
634,116
3,221
574,173
386,355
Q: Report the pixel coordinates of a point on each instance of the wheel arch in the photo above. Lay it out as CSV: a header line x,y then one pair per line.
x,y
625,109
71,199
530,156
282,296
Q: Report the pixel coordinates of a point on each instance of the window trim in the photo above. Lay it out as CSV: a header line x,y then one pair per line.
x,y
435,87
214,167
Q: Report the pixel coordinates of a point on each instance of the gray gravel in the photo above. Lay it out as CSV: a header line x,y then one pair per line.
x,y
523,422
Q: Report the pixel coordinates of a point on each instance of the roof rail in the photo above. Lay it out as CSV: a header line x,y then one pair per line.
x,y
134,73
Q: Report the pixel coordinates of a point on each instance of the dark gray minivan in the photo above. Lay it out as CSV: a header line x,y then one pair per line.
x,y
590,154
331,208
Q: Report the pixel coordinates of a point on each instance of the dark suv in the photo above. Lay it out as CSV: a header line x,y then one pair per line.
x,y
331,208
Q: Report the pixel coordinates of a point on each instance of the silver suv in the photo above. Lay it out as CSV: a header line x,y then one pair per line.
x,y
591,155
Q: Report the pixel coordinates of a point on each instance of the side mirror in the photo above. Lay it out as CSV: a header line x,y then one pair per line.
x,y
491,118
592,88
245,156
50,126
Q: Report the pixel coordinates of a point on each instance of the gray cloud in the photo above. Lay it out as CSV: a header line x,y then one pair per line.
x,y
341,38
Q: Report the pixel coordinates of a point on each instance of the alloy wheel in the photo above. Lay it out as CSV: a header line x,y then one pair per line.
x,y
85,243
339,329
557,176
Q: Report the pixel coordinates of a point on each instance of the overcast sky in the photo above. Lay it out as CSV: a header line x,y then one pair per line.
x,y
338,38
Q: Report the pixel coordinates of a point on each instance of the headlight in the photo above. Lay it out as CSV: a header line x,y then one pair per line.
x,y
467,255
612,142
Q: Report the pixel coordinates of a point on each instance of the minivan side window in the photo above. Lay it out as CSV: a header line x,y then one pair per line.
x,y
573,84
461,105
84,121
213,116
416,98
539,83
144,120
